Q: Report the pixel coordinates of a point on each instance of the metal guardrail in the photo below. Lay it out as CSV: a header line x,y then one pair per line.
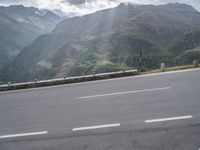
x,y
67,80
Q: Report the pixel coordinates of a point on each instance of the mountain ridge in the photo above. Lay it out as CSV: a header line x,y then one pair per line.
x,y
82,45
19,26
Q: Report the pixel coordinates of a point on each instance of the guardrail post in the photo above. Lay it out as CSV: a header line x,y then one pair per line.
x,y
36,80
162,67
140,62
94,73
195,63
9,83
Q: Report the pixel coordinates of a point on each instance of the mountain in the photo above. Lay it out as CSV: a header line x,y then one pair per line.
x,y
112,37
189,41
187,48
19,26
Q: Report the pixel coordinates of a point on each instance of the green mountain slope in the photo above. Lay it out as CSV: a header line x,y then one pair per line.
x,y
189,41
19,26
113,37
187,48
188,56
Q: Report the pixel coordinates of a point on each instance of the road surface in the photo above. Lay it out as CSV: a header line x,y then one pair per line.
x,y
156,111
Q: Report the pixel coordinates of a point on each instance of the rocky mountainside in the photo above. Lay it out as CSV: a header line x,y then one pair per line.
x,y
106,40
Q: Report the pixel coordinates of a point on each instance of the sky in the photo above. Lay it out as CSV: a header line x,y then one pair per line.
x,y
82,7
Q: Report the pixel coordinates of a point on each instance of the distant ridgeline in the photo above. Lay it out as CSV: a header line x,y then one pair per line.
x,y
19,26
111,40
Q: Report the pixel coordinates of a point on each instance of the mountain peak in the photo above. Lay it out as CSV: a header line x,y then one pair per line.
x,y
181,6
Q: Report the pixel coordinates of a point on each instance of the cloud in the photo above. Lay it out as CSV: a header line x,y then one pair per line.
x,y
86,7
81,7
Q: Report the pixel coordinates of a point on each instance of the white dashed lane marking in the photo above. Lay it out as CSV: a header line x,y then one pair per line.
x,y
96,127
23,134
168,119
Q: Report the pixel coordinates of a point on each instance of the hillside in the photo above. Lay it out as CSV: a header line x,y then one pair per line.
x,y
187,48
189,41
19,26
113,37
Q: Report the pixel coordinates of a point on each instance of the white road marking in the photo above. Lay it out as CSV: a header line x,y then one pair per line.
x,y
127,92
23,134
168,119
96,127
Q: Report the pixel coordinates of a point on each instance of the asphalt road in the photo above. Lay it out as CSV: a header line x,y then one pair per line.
x,y
159,111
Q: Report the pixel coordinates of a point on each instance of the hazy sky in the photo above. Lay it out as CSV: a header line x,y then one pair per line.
x,y
81,7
